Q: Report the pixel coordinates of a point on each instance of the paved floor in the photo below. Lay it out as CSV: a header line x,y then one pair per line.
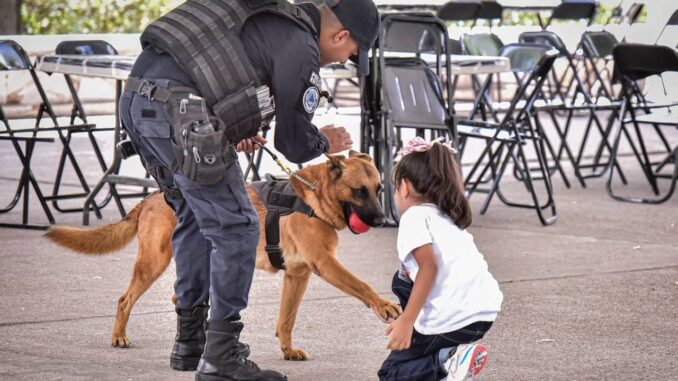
x,y
592,297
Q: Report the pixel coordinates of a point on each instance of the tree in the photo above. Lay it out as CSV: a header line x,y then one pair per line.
x,y
11,11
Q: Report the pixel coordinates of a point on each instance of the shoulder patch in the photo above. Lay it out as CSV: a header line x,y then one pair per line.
x,y
310,99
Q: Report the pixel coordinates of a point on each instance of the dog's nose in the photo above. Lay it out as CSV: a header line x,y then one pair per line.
x,y
379,221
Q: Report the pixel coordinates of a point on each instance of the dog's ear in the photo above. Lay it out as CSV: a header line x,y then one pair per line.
x,y
360,155
335,165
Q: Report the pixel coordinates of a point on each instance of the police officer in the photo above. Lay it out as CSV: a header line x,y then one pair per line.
x,y
200,91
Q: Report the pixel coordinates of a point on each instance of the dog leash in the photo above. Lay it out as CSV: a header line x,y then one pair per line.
x,y
286,169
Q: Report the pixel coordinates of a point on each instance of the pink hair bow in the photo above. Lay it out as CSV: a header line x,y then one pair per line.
x,y
420,145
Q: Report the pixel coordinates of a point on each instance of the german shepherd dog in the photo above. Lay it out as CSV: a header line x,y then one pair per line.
x,y
344,185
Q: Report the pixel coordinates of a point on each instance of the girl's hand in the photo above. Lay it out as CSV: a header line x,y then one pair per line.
x,y
399,334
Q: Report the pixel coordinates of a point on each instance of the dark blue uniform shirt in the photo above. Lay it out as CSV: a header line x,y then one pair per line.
x,y
287,59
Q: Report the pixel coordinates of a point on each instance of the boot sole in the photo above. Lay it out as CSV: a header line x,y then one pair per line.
x,y
184,364
209,377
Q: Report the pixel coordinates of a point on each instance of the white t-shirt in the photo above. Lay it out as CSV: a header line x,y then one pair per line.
x,y
464,290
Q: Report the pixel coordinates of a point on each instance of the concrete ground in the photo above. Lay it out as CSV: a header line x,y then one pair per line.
x,y
592,297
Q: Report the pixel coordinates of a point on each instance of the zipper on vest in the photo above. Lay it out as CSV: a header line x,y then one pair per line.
x,y
184,139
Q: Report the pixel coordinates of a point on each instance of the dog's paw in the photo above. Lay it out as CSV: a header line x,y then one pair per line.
x,y
120,342
295,355
387,310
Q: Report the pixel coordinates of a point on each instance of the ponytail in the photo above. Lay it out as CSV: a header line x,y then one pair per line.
x,y
435,175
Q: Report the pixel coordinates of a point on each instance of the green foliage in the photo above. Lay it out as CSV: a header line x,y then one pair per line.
x,y
91,16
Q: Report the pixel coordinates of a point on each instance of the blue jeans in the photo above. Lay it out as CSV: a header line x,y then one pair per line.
x,y
420,361
217,230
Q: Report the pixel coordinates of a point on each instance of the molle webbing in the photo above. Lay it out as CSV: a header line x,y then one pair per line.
x,y
203,37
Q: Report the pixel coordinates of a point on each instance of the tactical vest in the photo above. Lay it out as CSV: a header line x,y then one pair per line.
x,y
203,36
280,199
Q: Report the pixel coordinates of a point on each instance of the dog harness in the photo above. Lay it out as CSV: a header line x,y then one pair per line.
x,y
280,199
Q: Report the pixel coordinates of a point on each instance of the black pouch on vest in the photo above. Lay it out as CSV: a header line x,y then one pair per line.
x,y
240,114
202,153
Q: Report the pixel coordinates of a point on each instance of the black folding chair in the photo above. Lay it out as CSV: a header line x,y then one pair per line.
x,y
673,21
597,50
460,10
404,92
632,15
557,87
569,10
506,142
634,62
84,48
483,44
489,11
597,97
13,58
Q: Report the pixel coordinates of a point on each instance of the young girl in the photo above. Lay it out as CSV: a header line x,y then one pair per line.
x,y
449,297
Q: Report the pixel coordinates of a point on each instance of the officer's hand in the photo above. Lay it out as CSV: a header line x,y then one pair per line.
x,y
339,138
248,146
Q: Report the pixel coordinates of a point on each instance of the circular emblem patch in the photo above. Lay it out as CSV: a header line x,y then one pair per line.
x,y
310,99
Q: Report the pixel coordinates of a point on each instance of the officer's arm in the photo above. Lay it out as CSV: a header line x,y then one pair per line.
x,y
295,83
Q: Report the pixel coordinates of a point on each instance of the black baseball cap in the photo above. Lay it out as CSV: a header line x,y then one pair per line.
x,y
361,18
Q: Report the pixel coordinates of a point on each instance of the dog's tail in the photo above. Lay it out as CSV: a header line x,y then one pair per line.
x,y
99,240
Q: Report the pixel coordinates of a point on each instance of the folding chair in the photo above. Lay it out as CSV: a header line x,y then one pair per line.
x,y
668,37
460,10
490,10
597,48
573,10
551,39
403,92
632,15
63,131
483,44
598,96
505,142
83,48
634,62
13,58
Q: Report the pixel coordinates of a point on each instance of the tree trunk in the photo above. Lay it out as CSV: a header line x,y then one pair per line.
x,y
11,11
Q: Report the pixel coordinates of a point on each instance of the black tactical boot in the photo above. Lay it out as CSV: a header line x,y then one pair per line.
x,y
190,340
222,360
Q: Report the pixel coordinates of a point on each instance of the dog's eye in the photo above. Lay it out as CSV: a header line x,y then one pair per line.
x,y
379,189
360,193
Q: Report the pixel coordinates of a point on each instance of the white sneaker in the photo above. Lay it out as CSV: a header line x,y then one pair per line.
x,y
468,360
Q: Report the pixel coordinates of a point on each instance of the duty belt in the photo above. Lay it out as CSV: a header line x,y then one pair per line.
x,y
148,88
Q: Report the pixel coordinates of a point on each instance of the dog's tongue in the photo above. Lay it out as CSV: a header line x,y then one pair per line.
x,y
356,224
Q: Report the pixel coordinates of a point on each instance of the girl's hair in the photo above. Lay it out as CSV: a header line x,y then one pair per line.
x,y
435,175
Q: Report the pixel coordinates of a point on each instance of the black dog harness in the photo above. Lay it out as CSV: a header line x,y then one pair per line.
x,y
280,199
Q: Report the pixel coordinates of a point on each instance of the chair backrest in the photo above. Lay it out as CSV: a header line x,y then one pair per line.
x,y
668,32
454,46
413,94
460,10
634,12
409,34
544,38
536,61
638,61
525,57
485,44
598,44
673,20
13,56
574,10
86,48
490,10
